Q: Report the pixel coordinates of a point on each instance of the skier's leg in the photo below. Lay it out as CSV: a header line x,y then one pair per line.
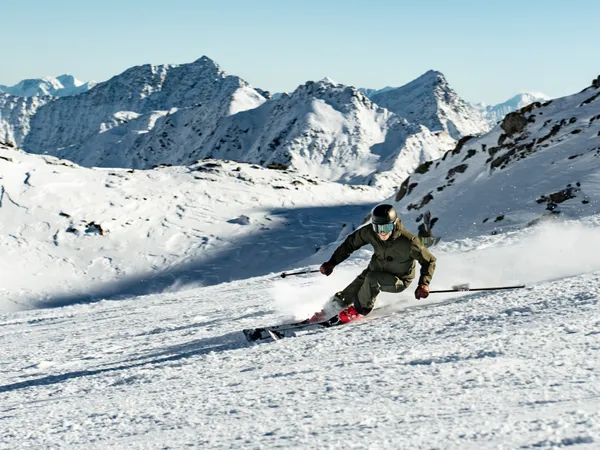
x,y
374,283
349,293
340,300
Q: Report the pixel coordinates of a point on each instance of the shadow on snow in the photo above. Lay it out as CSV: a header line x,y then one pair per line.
x,y
296,234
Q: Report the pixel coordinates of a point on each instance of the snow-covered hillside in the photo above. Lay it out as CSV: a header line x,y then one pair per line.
x,y
68,232
540,163
429,100
61,86
137,98
15,116
495,113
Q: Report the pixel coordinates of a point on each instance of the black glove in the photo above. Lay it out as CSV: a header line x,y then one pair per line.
x,y
327,268
422,291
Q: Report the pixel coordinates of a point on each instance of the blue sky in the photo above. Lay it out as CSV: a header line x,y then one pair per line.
x,y
488,51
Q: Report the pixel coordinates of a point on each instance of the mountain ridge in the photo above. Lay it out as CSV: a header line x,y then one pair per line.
x,y
541,162
430,100
495,113
61,86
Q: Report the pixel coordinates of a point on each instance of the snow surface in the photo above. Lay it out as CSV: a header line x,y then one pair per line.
x,y
129,335
490,370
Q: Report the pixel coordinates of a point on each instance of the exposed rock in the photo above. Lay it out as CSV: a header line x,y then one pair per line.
x,y
94,228
424,201
277,166
513,123
242,220
402,191
555,129
460,144
590,100
530,107
423,168
470,154
553,200
458,169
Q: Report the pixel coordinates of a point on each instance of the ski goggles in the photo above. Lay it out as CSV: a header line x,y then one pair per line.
x,y
381,228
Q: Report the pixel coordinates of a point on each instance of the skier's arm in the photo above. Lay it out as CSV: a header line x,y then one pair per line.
x,y
352,243
426,260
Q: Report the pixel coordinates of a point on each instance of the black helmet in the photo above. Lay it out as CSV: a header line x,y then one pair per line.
x,y
382,215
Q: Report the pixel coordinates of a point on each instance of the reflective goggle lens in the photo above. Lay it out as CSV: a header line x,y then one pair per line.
x,y
383,228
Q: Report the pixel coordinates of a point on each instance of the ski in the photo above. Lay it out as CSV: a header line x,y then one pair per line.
x,y
277,332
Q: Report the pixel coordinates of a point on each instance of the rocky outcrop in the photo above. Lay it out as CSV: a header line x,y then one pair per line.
x,y
513,123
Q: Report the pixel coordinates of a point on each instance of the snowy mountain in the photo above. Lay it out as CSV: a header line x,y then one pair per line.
x,y
542,162
137,99
429,100
15,116
495,113
61,86
326,130
177,114
322,129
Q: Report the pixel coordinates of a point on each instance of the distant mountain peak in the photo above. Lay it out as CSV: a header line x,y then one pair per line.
x,y
69,81
431,101
495,113
61,86
328,80
205,60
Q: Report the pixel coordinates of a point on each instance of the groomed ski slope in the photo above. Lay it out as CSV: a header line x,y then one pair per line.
x,y
508,369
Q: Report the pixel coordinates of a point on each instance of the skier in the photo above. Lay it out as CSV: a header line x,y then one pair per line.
x,y
392,266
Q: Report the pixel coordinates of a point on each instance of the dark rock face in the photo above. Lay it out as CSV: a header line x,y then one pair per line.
x,y
513,123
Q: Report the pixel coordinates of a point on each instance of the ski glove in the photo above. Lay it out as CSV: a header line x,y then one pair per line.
x,y
422,291
327,268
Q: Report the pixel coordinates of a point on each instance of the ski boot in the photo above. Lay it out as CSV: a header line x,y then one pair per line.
x,y
331,308
349,314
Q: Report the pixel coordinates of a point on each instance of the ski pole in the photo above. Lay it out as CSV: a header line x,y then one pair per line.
x,y
283,275
468,289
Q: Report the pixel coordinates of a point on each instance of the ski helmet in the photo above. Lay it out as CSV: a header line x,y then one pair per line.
x,y
383,218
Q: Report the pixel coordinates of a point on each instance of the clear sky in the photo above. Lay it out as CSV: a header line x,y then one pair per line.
x,y
488,50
